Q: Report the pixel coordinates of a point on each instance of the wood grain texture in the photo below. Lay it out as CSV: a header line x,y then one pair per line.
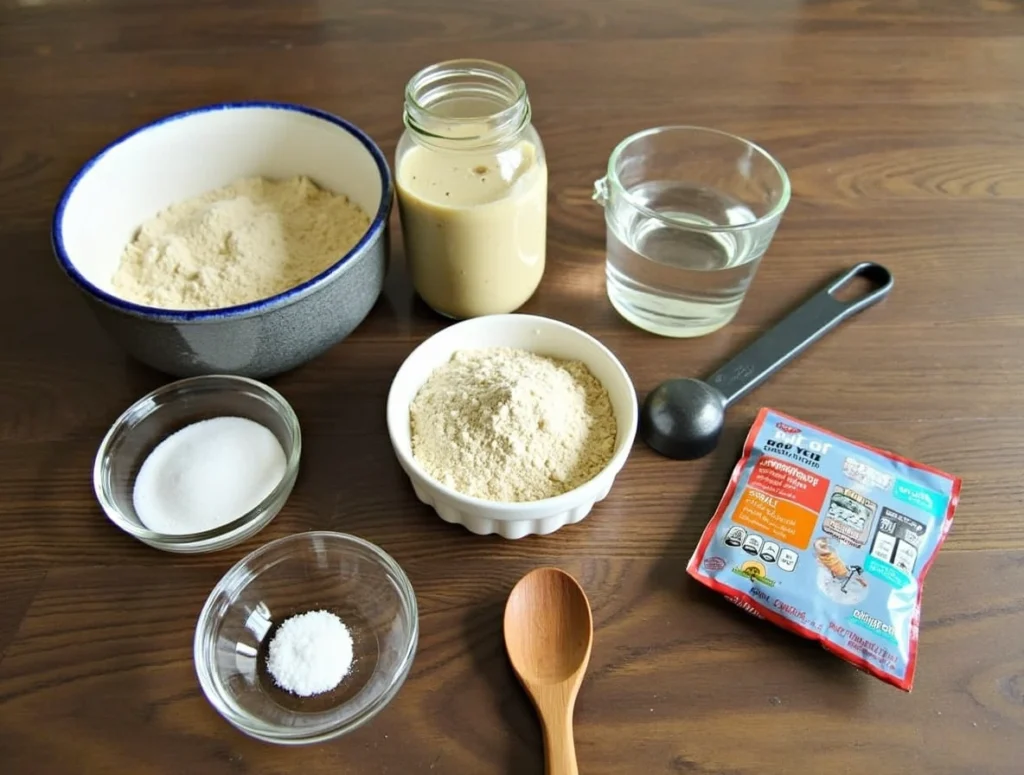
x,y
902,127
678,678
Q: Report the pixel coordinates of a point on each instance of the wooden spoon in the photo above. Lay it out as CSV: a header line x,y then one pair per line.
x,y
549,631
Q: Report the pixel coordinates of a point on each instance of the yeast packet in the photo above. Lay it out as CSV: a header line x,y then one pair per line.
x,y
830,539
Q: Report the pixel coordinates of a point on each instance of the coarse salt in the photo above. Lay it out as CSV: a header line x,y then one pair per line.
x,y
310,653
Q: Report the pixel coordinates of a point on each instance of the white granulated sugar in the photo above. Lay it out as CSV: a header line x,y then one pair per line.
x,y
207,474
311,653
509,425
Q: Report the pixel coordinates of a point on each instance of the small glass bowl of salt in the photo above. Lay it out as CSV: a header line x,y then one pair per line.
x,y
200,464
307,638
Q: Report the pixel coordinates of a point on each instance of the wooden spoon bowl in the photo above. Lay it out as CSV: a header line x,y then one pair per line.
x,y
549,632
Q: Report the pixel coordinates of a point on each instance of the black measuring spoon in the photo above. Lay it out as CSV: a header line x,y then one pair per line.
x,y
683,418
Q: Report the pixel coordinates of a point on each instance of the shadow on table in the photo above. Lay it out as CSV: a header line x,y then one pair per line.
x,y
482,633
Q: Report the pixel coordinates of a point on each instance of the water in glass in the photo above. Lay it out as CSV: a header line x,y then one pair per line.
x,y
669,275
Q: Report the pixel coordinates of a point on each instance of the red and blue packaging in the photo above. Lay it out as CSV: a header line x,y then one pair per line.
x,y
830,539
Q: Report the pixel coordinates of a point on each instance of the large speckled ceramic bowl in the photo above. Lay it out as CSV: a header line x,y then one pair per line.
x,y
186,154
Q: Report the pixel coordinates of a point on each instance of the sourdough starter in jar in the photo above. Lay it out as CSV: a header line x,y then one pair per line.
x,y
472,189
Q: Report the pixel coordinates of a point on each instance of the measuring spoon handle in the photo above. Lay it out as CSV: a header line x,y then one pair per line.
x,y
797,331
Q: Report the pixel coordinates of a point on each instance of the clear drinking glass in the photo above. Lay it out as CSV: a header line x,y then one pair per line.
x,y
689,213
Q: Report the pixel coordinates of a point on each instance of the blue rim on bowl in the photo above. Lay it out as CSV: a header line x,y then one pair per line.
x,y
378,223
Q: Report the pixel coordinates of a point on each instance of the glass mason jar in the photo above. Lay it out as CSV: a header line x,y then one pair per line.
x,y
471,182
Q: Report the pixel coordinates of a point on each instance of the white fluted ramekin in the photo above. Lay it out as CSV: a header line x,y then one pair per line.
x,y
536,334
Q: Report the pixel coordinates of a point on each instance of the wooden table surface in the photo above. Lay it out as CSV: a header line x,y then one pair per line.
x,y
903,131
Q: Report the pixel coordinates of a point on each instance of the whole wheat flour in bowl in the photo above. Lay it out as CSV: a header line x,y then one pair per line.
x,y
506,424
246,241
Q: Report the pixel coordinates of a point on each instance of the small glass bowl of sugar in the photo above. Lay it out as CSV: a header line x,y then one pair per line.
x,y
307,638
200,464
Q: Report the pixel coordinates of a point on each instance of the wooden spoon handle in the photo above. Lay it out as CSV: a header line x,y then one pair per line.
x,y
559,745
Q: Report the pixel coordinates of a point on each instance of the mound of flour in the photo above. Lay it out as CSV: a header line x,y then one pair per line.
x,y
252,239
509,425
